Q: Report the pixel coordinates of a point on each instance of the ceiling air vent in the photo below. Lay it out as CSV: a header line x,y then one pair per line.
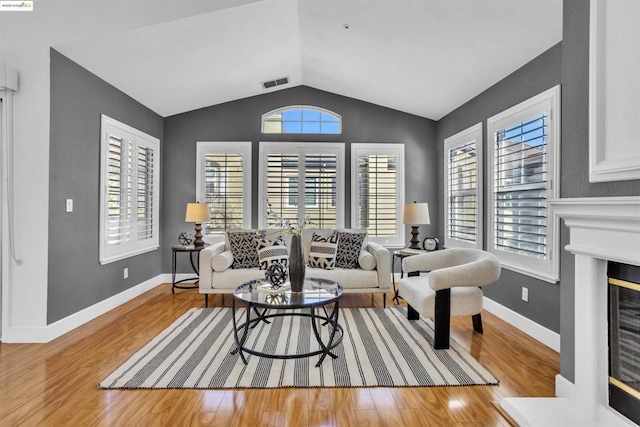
x,y
277,82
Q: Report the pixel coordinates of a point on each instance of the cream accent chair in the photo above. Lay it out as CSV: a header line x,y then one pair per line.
x,y
450,288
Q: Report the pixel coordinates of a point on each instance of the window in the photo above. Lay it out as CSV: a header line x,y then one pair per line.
x,y
223,181
130,186
301,119
524,170
463,189
310,191
377,191
313,169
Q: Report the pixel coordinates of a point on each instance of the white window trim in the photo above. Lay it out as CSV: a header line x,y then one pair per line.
x,y
397,150
336,148
549,101
472,134
112,254
242,148
306,107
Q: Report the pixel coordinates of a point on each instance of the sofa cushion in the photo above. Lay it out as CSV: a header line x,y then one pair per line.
x,y
322,251
271,251
349,246
366,260
243,248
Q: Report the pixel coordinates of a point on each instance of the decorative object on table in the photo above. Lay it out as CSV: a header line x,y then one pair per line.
x,y
431,244
276,274
296,264
180,363
198,213
415,214
185,239
279,298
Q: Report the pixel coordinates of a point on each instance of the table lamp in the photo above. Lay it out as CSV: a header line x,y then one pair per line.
x,y
415,214
198,213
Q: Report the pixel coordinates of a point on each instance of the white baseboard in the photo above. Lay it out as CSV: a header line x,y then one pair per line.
x,y
564,387
50,332
545,336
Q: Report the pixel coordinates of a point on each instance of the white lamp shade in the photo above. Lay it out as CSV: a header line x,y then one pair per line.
x,y
416,214
197,212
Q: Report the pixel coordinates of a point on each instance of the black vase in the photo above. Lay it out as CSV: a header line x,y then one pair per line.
x,y
296,264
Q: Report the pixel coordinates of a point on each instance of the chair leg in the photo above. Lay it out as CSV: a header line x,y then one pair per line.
x,y
442,314
412,313
477,323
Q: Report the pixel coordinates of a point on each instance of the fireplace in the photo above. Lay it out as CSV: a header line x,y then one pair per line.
x,y
624,339
602,230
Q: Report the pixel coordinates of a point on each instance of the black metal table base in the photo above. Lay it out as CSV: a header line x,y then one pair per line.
x,y
328,319
175,283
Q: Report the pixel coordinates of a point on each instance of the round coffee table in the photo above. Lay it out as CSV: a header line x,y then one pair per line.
x,y
318,301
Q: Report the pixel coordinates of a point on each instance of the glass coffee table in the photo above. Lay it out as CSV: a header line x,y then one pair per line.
x,y
318,301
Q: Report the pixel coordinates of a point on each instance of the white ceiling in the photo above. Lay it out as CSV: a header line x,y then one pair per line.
x,y
425,57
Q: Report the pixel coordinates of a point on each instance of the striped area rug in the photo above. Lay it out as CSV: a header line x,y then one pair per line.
x,y
380,348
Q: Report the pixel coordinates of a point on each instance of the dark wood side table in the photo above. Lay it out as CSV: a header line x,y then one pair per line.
x,y
191,250
401,254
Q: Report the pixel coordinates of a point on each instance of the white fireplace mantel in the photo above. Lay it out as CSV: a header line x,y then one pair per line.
x,y
601,230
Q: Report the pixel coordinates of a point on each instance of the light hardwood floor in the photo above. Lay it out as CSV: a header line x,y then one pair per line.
x,y
55,384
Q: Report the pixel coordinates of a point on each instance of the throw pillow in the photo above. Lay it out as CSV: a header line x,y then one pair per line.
x,y
272,251
322,253
243,248
349,245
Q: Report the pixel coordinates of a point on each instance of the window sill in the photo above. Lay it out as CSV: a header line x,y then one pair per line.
x,y
119,257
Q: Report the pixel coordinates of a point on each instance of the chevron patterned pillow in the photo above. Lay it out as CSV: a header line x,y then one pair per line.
x,y
243,248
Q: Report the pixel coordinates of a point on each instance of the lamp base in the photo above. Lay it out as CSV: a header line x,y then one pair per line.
x,y
198,243
415,243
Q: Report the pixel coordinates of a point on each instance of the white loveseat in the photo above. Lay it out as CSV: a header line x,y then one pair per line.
x,y
218,277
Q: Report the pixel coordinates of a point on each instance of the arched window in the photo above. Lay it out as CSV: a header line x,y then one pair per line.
x,y
301,119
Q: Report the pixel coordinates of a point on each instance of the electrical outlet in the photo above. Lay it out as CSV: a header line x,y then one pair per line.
x,y
69,205
525,294
126,272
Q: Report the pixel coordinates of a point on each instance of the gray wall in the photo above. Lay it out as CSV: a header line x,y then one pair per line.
x,y
575,157
540,74
240,121
76,278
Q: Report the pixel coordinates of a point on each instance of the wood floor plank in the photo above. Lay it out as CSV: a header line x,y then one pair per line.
x,y
56,383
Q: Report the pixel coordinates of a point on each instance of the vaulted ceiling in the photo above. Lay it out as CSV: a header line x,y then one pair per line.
x,y
424,57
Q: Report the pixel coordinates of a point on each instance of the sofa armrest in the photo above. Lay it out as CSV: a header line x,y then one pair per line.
x,y
383,264
205,269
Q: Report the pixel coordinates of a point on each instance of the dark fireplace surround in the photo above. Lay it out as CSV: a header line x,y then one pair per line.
x,y
624,339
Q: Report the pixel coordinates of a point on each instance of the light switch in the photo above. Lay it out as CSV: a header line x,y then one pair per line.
x,y
69,205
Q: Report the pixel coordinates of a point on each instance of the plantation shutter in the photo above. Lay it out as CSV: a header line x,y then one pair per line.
x,y
223,191
146,219
320,189
378,194
129,180
118,227
284,187
281,191
462,192
520,186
